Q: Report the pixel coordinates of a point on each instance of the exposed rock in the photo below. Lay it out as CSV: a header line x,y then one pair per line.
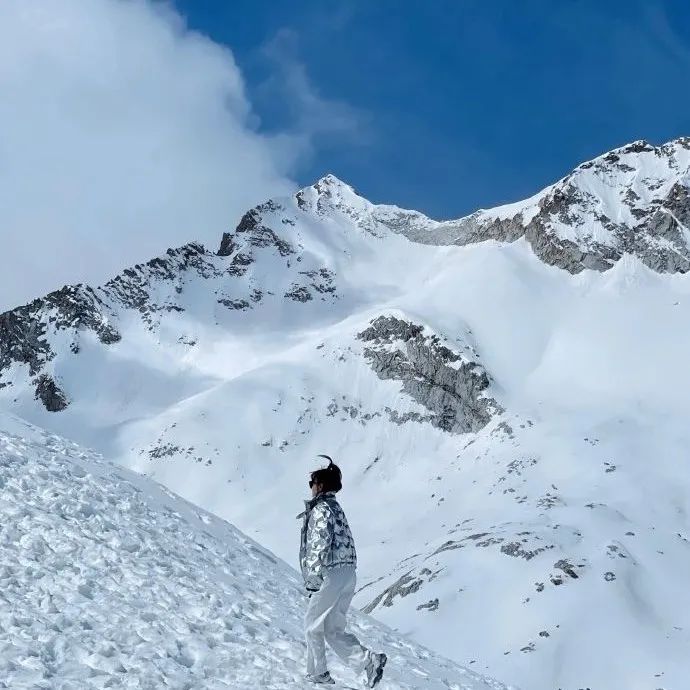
x,y
253,233
450,387
402,587
321,281
298,293
22,339
23,331
26,332
405,417
238,304
240,263
517,550
450,545
567,567
50,394
133,287
429,606
228,245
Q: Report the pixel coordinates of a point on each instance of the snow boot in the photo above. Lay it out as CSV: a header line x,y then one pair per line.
x,y
322,679
374,668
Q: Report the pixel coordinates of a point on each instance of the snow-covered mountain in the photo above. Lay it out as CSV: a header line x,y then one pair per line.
x,y
110,580
632,200
507,395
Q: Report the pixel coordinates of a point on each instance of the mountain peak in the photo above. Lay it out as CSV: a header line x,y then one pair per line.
x,y
638,146
332,187
328,193
330,180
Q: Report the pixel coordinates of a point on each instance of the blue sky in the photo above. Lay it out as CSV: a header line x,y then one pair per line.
x,y
447,106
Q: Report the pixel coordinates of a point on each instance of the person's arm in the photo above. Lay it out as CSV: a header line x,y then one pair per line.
x,y
319,539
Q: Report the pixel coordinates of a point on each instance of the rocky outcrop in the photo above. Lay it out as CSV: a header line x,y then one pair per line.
x,y
50,394
452,388
22,340
133,288
253,232
24,334
27,332
402,587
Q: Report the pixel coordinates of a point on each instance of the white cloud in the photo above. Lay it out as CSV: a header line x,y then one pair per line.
x,y
314,120
121,133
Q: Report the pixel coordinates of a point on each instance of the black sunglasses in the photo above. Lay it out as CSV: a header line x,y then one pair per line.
x,y
311,483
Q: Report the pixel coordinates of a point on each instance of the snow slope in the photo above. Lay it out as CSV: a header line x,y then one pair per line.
x,y
111,581
509,405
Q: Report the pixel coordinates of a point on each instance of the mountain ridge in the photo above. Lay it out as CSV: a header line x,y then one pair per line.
x,y
659,237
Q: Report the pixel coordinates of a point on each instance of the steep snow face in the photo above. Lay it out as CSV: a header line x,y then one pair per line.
x,y
501,422
110,580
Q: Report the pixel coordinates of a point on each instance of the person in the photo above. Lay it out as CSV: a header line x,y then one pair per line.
x,y
328,561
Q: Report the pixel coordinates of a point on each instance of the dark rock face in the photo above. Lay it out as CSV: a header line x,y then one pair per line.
x,y
24,334
254,235
240,264
50,394
312,284
660,221
298,293
431,605
227,244
238,304
322,281
22,330
22,340
517,550
132,288
452,389
251,232
401,588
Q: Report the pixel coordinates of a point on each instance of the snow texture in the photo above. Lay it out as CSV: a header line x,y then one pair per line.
x,y
108,580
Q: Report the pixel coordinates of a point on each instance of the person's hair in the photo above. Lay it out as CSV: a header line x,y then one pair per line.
x,y
330,478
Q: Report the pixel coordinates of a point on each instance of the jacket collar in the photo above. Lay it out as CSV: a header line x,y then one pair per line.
x,y
311,502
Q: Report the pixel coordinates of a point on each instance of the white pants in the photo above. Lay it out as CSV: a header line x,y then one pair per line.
x,y
325,621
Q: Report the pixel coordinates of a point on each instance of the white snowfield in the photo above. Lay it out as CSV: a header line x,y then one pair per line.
x,y
108,580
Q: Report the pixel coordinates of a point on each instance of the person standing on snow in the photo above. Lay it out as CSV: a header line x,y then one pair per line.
x,y
328,561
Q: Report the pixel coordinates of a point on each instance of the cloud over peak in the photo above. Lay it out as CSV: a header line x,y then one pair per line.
x,y
121,133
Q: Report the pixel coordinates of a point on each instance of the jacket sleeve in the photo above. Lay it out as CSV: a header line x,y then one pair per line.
x,y
319,539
